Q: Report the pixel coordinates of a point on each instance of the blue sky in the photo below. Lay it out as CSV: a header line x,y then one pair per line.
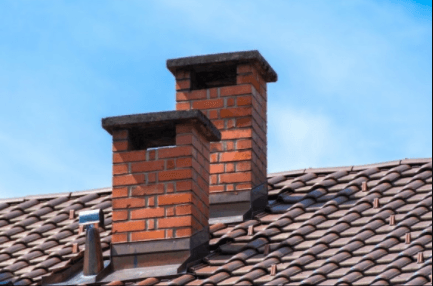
x,y
354,79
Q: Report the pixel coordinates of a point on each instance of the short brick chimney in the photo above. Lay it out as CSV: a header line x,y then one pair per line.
x,y
160,189
231,89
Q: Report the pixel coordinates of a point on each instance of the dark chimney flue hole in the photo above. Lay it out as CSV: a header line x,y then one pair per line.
x,y
149,138
216,76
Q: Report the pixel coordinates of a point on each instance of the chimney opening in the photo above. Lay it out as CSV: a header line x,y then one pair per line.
x,y
143,139
214,76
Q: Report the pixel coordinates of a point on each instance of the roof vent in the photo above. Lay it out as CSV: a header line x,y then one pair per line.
x,y
93,261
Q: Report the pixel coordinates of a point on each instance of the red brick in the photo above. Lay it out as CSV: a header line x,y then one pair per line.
x,y
175,222
213,114
129,203
184,186
183,106
244,144
184,139
241,187
243,166
236,90
150,224
235,178
148,235
119,238
151,155
216,146
219,124
214,158
120,134
245,79
193,95
175,175
120,146
129,226
175,199
236,134
230,168
184,129
120,192
184,162
169,233
147,213
169,211
151,178
183,232
170,164
236,156
244,100
145,190
244,122
128,180
236,112
213,92
230,146
169,188
208,104
213,179
147,166
120,169
183,84
180,74
230,102
151,202
244,69
217,168
175,152
184,210
120,215
231,124
217,189
230,188
132,156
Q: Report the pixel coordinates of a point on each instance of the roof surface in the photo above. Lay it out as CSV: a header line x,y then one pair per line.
x,y
320,229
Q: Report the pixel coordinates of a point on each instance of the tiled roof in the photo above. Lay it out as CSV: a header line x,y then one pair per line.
x,y
321,228
37,233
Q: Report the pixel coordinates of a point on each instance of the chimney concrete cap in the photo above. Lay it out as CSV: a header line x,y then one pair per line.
x,y
162,119
268,72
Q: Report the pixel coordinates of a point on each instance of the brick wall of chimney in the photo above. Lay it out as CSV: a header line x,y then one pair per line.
x,y
239,161
160,193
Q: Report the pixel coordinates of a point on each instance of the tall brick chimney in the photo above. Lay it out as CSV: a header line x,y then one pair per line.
x,y
160,191
231,89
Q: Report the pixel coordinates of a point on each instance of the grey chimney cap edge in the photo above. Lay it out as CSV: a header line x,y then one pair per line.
x,y
237,57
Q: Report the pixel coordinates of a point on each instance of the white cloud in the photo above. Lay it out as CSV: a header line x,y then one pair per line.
x,y
300,139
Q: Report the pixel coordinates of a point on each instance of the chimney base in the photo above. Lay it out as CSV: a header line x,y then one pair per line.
x,y
157,258
234,207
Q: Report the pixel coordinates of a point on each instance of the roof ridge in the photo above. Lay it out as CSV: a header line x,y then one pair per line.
x,y
55,195
353,167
